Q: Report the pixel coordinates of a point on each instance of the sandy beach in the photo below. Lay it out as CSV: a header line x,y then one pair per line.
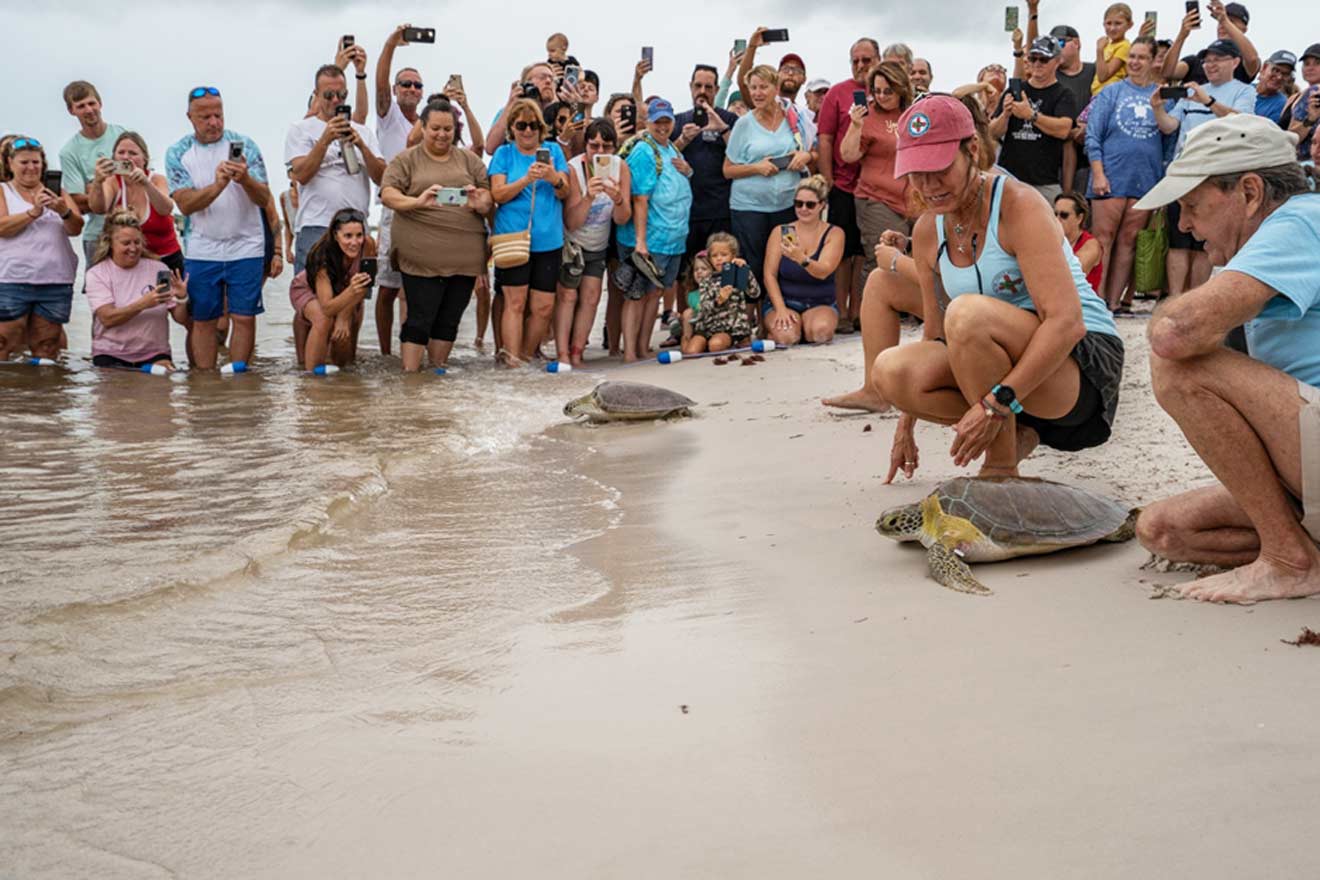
x,y
757,685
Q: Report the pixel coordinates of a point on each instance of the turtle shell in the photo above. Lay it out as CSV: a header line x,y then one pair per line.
x,y
1013,511
636,397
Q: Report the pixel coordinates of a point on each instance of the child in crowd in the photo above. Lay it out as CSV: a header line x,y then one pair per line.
x,y
701,271
1111,50
721,320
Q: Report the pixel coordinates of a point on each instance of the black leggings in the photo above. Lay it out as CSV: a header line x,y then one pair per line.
x,y
435,306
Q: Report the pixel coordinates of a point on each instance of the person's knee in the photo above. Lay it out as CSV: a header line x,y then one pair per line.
x,y
966,317
542,306
890,374
1171,380
1158,531
720,341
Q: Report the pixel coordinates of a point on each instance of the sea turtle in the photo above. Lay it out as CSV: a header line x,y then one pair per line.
x,y
985,520
628,401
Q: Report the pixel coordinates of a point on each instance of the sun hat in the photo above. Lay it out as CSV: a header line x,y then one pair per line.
x,y
929,133
1228,145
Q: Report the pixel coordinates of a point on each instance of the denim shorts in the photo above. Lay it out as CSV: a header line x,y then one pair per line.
x,y
51,302
794,305
215,284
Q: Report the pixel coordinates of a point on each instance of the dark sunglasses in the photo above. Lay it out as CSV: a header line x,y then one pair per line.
x,y
1038,59
333,94
25,144
203,91
799,203
1063,215
524,125
409,83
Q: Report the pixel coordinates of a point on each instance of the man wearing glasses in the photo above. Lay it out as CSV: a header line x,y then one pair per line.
x,y
217,178
1035,125
332,159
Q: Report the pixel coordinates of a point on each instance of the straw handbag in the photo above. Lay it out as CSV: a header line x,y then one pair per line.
x,y
509,250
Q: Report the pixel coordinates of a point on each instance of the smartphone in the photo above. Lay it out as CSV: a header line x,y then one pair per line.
x,y
345,41
451,195
786,232
700,118
859,98
735,276
123,166
418,35
1173,93
344,110
1015,88
455,82
775,35
52,180
571,74
235,151
1153,17
648,55
607,165
164,278
543,156
628,114
369,265
781,162
740,45
1193,6
1010,18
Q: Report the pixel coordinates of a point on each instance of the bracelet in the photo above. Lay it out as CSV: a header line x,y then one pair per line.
x,y
992,409
1035,16
1019,54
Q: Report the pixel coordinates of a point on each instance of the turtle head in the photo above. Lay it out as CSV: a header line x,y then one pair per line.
x,y
901,523
579,407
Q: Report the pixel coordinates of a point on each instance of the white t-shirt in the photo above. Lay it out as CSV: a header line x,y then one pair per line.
x,y
230,227
392,131
332,188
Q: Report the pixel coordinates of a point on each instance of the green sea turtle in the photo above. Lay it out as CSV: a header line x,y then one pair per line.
x,y
628,401
985,520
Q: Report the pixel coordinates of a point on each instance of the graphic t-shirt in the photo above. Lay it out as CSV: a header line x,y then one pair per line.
x,y
1122,133
141,337
78,165
1029,154
230,227
879,150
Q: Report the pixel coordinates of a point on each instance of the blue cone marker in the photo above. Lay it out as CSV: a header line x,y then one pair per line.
x,y
558,367
39,362
763,345
155,369
234,367
325,370
669,357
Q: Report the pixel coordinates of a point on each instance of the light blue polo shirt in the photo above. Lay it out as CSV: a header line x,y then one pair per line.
x,y
670,200
1282,254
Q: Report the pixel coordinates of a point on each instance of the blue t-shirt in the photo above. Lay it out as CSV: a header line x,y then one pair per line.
x,y
1122,133
1190,114
669,199
750,143
1271,106
1282,254
548,224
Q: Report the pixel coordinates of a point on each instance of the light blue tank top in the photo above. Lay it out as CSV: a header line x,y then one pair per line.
x,y
996,274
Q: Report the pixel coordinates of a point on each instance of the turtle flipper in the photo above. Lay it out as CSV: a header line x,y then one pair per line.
x,y
948,569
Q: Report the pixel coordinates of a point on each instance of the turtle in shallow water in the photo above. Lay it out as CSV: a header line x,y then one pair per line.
x,y
970,519
628,401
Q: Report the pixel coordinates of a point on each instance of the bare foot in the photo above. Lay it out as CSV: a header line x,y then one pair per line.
x,y
1258,581
479,344
865,399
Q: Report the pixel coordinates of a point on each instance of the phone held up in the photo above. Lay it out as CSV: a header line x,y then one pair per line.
x,y
370,266
164,279
859,98
740,45
774,35
123,166
735,276
345,41
781,162
786,232
419,35
455,83
607,165
648,55
51,179
1193,6
1015,88
451,195
572,73
1010,18
1153,17
1173,93
700,118
543,156
235,151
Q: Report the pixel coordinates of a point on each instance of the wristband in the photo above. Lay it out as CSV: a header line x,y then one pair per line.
x,y
1019,54
1005,396
360,75
1210,103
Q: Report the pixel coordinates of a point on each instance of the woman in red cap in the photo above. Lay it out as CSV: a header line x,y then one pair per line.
x,y
1017,349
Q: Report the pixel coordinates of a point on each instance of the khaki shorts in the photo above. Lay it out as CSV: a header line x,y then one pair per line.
x,y
1309,422
874,218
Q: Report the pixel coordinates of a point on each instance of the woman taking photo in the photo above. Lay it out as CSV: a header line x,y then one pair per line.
x,y
1127,159
881,197
439,246
605,198
37,263
800,260
1071,210
131,306
147,195
1025,351
768,152
530,194
327,296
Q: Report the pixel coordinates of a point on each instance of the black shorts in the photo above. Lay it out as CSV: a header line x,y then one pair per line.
x,y
843,214
1179,240
541,272
174,262
1089,423
699,231
109,360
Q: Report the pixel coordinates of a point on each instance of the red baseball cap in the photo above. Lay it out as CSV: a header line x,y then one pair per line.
x,y
793,56
929,134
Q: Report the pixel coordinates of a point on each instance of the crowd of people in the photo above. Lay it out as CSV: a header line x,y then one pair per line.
x,y
1005,214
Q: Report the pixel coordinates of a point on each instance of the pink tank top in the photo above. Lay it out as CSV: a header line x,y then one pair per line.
x,y
41,253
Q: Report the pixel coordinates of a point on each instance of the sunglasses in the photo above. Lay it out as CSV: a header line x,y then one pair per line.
x,y
203,91
409,83
25,144
1038,59
333,94
1063,215
349,215
524,125
805,205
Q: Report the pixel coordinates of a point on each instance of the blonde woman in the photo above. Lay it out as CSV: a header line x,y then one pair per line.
x,y
800,261
140,191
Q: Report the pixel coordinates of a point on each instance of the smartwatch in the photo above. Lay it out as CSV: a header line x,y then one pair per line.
x,y
1005,396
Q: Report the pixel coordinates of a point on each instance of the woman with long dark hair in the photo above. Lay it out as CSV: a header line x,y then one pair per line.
x,y
327,296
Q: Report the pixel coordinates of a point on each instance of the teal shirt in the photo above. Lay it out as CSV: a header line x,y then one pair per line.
x,y
669,200
78,165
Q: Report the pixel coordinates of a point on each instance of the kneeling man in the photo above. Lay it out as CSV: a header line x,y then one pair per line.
x,y
1254,421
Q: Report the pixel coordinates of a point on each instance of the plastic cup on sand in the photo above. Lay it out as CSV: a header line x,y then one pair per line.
x,y
234,367
669,357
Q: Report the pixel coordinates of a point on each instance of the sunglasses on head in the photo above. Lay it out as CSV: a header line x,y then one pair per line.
x,y
203,91
409,83
25,144
349,215
335,94
524,125
805,204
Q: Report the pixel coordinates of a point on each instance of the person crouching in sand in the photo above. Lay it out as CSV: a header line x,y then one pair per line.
x,y
1025,351
1254,420
721,320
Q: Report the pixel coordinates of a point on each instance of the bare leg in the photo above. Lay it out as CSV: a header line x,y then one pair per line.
x,y
1200,269
43,337
566,302
411,354
650,311
1203,526
1119,273
721,342
538,321
482,292
204,345
300,330
818,324
385,317
695,344
13,338
318,336
438,351
614,319
583,318
1106,217
243,340
790,336
497,320
631,329
886,295
1241,417
511,322
1177,266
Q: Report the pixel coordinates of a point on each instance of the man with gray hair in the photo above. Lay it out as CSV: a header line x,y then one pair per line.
x,y
1253,419
921,75
900,52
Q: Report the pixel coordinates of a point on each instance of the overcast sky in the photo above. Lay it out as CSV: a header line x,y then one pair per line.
x,y
261,55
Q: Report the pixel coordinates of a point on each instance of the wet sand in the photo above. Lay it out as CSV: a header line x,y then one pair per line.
x,y
750,682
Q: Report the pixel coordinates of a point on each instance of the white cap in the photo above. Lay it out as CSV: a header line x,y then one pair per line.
x,y
817,85
1230,145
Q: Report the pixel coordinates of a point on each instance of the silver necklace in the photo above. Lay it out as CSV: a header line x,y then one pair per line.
x,y
959,229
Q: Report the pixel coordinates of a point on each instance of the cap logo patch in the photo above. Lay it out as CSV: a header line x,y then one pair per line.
x,y
918,125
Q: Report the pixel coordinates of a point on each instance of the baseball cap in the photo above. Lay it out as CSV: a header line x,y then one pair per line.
x,y
929,134
1228,145
793,56
1282,58
818,85
1047,46
1238,11
659,109
1064,32
1312,51
1222,47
